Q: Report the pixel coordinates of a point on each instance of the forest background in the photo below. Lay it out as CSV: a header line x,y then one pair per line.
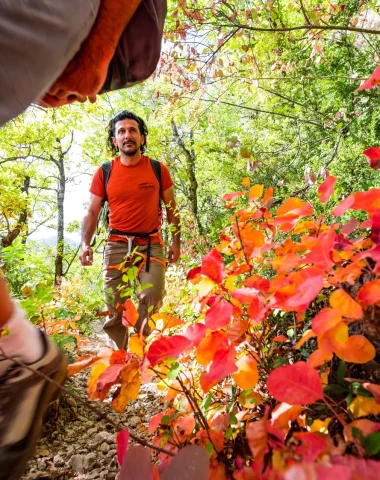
x,y
246,93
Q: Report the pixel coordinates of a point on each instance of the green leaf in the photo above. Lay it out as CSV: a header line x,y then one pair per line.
x,y
341,373
165,420
372,443
174,370
209,448
228,433
233,419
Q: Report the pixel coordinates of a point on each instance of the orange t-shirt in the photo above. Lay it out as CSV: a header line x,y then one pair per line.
x,y
133,195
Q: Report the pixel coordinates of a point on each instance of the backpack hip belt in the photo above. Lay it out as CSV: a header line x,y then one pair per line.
x,y
131,242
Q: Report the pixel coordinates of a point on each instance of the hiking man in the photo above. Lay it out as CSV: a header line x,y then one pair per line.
x,y
133,192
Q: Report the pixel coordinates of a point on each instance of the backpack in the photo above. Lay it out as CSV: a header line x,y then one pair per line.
x,y
103,218
139,47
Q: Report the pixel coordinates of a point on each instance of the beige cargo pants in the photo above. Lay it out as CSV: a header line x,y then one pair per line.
x,y
114,254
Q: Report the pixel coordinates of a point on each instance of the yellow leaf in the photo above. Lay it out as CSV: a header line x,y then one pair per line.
x,y
130,387
320,425
96,371
256,191
247,375
363,406
205,286
230,283
136,345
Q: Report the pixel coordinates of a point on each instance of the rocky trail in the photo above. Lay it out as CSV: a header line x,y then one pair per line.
x,y
75,443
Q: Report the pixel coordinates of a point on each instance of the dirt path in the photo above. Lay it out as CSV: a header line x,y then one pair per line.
x,y
74,443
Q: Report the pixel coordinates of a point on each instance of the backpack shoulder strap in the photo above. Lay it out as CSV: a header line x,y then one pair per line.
x,y
156,165
106,167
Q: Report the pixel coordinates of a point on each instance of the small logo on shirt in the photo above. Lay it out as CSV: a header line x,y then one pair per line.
x,y
146,186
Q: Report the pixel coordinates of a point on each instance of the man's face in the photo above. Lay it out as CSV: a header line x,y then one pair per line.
x,y
127,137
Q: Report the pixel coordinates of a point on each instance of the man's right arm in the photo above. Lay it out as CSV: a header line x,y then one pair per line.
x,y
88,229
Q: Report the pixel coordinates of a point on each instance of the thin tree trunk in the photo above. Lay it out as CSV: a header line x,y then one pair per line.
x,y
60,222
192,191
22,222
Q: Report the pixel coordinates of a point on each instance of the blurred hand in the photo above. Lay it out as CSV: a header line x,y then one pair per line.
x,y
86,256
174,252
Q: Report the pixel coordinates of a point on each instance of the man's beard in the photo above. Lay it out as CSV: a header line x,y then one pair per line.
x,y
130,153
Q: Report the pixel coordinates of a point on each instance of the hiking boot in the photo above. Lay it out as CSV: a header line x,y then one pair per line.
x,y
24,398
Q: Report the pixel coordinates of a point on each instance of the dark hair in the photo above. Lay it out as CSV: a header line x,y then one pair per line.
x,y
122,116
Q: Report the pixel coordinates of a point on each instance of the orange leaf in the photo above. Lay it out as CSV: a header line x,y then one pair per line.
x,y
246,182
295,384
256,191
80,364
283,414
209,345
333,338
319,358
357,349
345,305
130,387
326,189
305,337
247,375
364,425
267,196
326,319
237,329
252,238
293,209
370,292
130,314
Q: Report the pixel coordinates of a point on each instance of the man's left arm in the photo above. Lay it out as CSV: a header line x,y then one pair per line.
x,y
173,220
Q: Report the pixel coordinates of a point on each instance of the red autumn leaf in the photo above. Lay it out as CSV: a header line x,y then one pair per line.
x,y
155,421
374,389
195,333
166,347
219,315
373,157
350,226
193,273
223,364
326,319
375,228
372,81
295,384
256,310
244,295
122,439
231,196
280,338
130,314
298,290
236,331
343,206
258,283
107,379
212,266
369,293
313,445
326,189
120,356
